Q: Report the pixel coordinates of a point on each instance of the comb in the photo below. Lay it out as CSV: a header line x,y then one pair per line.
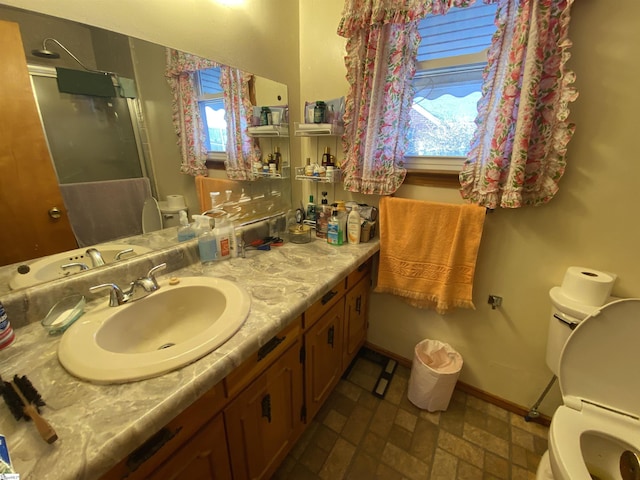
x,y
24,401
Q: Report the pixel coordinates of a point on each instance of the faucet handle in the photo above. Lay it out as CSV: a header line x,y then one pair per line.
x,y
116,297
154,270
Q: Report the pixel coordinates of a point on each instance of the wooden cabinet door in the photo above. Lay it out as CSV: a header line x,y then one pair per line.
x,y
204,457
264,421
28,182
323,364
356,320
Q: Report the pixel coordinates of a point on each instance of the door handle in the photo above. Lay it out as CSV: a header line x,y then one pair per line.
x,y
358,303
55,213
330,334
266,407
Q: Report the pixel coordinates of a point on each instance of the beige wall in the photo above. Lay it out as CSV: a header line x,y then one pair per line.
x,y
524,252
591,222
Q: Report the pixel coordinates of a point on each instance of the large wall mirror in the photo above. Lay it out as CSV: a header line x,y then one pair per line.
x,y
146,150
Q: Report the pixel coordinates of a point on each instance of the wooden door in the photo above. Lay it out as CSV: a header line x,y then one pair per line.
x,y
264,421
204,457
356,320
323,364
28,182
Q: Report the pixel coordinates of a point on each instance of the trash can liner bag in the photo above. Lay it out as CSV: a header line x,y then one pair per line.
x,y
434,373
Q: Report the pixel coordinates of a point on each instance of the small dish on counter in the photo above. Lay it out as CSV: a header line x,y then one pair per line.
x,y
300,233
63,314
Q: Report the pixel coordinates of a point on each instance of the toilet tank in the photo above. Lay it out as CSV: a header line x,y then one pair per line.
x,y
565,315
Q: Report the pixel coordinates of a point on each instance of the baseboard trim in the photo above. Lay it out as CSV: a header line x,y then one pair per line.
x,y
470,389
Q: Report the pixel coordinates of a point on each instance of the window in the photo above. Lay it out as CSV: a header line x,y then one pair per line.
x,y
211,103
448,82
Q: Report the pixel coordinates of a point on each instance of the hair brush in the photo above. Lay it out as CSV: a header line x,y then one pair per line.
x,y
24,401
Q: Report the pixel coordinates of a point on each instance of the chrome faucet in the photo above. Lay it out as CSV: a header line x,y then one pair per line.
x,y
95,256
139,288
67,266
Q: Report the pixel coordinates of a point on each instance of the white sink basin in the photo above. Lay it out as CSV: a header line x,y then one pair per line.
x,y
50,268
166,330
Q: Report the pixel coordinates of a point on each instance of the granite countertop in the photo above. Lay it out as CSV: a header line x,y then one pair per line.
x,y
98,425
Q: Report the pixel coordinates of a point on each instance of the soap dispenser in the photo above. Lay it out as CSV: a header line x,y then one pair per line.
x,y
206,240
185,231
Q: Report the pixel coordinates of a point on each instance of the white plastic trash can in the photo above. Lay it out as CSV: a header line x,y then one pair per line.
x,y
434,373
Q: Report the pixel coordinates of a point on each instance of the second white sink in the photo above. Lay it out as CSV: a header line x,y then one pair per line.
x,y
164,331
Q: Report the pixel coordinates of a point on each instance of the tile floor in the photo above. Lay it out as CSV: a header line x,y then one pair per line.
x,y
359,436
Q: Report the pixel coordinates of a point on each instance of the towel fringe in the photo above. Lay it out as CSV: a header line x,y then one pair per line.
x,y
432,302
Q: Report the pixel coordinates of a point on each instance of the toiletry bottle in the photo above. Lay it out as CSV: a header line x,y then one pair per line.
x,y
206,240
311,210
322,217
333,229
318,112
326,157
7,335
308,169
265,114
185,231
215,199
223,234
342,219
354,223
277,158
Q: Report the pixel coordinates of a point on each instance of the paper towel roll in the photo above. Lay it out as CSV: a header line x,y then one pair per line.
x,y
175,201
587,286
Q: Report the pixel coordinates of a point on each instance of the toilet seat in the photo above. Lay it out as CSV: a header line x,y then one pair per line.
x,y
566,432
597,376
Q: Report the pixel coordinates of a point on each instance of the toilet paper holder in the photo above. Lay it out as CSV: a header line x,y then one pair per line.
x,y
495,301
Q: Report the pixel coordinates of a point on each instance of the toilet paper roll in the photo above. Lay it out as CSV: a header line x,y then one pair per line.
x,y
587,286
175,201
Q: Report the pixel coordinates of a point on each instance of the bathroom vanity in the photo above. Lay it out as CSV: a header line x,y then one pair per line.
x,y
236,412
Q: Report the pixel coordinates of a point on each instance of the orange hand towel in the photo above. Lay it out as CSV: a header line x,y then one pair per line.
x,y
428,252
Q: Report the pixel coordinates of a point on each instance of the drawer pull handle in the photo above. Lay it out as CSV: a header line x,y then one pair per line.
x,y
330,334
328,296
266,407
149,448
269,347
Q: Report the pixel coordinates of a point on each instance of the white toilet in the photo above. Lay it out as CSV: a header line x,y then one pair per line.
x,y
599,419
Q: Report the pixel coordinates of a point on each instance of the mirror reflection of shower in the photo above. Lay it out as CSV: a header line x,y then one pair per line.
x,y
45,52
91,138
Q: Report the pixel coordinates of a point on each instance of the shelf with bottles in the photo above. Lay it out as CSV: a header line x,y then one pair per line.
x,y
317,129
281,130
322,175
283,173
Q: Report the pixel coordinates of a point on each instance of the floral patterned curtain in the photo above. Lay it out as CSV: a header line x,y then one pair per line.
x,y
242,150
382,46
518,152
181,74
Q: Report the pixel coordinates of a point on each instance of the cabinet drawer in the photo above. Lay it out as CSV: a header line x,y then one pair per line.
x,y
359,273
259,361
153,452
328,300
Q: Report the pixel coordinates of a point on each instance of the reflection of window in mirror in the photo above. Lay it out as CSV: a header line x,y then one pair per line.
x,y
210,99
